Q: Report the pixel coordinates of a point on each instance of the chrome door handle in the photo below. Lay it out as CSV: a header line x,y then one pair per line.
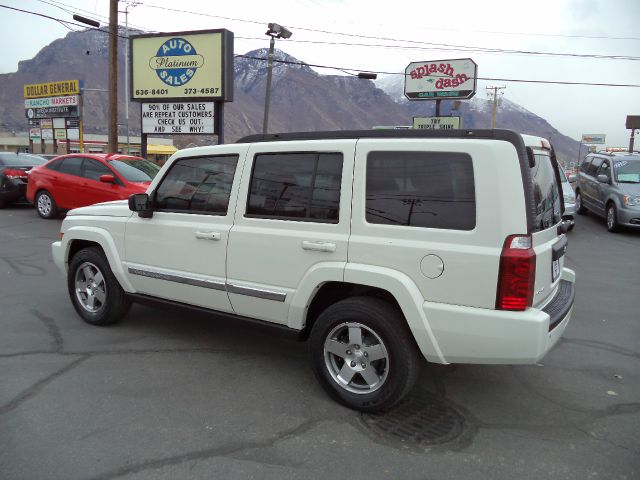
x,y
208,235
318,246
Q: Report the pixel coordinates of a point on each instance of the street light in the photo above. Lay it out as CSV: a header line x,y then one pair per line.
x,y
275,31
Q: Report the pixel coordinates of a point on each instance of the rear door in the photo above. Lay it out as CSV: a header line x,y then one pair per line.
x,y
292,218
66,187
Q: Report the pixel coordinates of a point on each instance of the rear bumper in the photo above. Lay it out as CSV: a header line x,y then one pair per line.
x,y
483,336
12,190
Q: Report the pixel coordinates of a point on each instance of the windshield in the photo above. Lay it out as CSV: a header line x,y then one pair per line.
x,y
627,171
135,170
22,160
546,193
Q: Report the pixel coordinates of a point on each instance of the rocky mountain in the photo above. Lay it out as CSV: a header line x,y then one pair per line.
x,y
301,99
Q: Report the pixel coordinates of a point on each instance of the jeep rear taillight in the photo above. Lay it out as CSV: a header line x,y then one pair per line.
x,y
517,274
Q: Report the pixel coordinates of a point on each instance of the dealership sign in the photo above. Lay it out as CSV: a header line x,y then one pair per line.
x,y
593,139
51,101
183,65
436,123
177,118
440,79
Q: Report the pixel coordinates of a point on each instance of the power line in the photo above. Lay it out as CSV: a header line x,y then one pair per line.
x,y
435,46
369,37
345,69
92,15
59,20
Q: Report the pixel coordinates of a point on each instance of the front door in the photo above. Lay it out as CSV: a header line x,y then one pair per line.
x,y
180,253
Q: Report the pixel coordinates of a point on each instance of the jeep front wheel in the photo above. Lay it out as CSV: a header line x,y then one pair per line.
x,y
363,354
95,293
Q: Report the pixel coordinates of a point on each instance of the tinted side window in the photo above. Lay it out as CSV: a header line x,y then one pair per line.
x,y
584,167
55,165
604,169
198,185
296,186
72,166
421,189
93,169
546,193
593,168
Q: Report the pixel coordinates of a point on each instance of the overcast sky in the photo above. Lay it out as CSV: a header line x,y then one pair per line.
x,y
338,33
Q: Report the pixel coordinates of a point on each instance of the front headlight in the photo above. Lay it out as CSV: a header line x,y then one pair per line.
x,y
630,201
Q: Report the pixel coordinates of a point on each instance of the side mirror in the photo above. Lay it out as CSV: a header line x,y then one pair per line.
x,y
603,178
572,178
107,178
139,202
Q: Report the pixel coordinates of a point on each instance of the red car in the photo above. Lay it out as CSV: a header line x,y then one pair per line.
x,y
81,179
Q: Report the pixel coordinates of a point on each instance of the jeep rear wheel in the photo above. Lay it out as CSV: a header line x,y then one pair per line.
x,y
95,293
363,354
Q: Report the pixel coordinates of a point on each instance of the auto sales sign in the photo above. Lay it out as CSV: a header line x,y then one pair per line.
x,y
182,65
441,79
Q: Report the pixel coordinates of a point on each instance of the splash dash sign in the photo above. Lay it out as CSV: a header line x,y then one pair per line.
x,y
440,79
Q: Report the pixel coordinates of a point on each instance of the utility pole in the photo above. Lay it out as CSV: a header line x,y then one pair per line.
x,y
495,103
130,4
113,76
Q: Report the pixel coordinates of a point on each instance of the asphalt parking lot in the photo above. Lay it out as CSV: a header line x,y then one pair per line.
x,y
176,396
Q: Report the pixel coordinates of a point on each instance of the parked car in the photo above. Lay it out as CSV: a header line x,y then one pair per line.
x,y
609,186
14,175
377,246
569,197
77,180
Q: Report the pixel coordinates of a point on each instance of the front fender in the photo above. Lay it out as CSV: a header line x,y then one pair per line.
x,y
103,238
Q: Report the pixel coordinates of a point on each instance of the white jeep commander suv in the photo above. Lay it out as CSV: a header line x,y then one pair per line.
x,y
375,246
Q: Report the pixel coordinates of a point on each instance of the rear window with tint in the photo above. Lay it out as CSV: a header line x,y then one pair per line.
x,y
546,193
22,160
421,189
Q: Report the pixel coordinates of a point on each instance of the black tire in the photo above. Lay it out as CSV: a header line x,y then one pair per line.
x,y
383,329
101,301
46,205
579,207
612,218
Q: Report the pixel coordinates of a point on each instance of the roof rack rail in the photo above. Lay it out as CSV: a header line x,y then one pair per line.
x,y
497,134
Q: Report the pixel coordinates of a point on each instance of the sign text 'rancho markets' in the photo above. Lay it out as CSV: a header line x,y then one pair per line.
x,y
441,79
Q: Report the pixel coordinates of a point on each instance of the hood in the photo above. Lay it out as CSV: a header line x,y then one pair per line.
x,y
632,189
117,208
